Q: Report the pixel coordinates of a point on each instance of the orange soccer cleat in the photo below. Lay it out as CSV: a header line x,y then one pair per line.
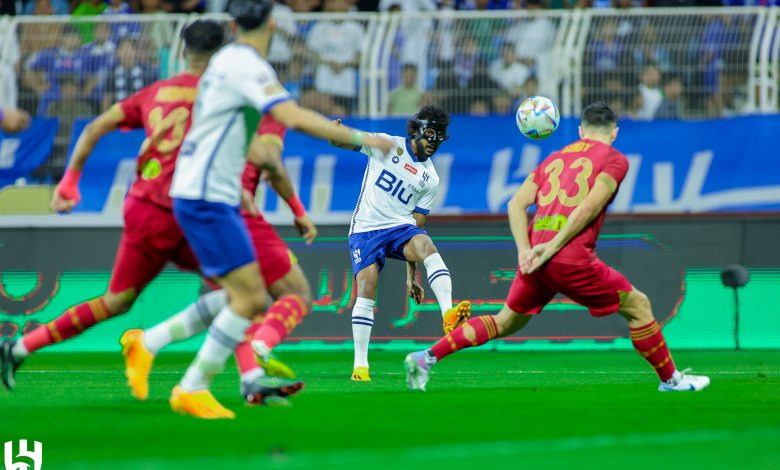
x,y
200,404
456,316
138,362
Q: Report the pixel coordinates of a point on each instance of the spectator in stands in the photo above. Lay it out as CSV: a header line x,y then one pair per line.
x,y
293,78
650,50
122,29
130,72
160,33
53,7
713,42
336,45
606,52
89,8
42,69
117,7
509,73
650,88
635,105
407,98
281,50
69,106
99,57
533,38
413,39
671,106
13,120
184,6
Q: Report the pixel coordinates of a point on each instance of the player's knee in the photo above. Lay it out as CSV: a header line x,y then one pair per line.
x,y
637,307
366,287
424,247
248,304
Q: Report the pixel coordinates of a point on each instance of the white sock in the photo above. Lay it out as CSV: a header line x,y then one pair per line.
x,y
187,323
226,331
362,321
252,375
439,280
19,351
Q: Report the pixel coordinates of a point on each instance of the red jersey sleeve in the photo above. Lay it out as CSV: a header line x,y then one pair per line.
x,y
271,130
133,111
616,166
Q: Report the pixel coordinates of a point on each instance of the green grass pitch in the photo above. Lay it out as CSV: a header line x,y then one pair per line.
x,y
483,410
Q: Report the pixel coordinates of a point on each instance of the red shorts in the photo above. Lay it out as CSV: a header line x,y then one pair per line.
x,y
151,238
595,286
274,257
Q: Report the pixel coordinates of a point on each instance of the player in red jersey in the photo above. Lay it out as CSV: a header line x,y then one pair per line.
x,y
151,236
572,189
278,266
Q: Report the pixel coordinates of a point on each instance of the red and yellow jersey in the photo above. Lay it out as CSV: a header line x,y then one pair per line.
x,y
269,130
564,179
165,108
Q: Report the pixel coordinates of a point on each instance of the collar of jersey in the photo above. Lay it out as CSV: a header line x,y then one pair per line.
x,y
409,149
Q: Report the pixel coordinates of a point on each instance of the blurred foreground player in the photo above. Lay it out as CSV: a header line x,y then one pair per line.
x,y
278,266
397,194
151,238
572,189
236,88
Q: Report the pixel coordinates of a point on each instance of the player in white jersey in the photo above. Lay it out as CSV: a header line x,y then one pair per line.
x,y
237,86
396,196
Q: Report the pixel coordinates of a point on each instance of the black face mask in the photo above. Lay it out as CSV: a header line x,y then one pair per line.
x,y
433,132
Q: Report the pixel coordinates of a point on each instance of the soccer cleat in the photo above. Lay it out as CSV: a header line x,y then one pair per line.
x,y
138,362
271,365
360,374
8,364
685,383
456,316
271,391
418,372
200,404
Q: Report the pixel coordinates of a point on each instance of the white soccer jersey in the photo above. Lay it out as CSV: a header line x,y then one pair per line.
x,y
237,86
394,186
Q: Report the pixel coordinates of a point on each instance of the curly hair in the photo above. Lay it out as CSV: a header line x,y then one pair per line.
x,y
427,113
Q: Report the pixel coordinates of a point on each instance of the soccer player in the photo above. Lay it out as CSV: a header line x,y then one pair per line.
x,y
151,237
238,85
572,189
397,194
14,120
278,267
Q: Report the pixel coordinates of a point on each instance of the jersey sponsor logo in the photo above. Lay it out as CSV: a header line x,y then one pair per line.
x,y
410,168
553,223
391,184
425,177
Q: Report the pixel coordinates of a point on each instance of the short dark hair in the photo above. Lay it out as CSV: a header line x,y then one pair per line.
x,y
598,114
409,66
671,77
203,36
429,112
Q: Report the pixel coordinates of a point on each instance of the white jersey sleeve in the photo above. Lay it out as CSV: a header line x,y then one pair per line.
x,y
260,87
373,152
425,203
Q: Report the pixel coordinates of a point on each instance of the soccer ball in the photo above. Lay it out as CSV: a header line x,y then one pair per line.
x,y
537,117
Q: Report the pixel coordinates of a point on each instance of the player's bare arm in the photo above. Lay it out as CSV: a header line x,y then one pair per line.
x,y
265,153
586,211
309,122
66,194
518,219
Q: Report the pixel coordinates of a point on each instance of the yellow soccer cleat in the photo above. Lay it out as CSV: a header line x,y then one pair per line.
x,y
138,362
275,368
360,374
456,316
200,404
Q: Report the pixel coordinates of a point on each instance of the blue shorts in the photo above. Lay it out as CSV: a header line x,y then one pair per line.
x,y
216,234
367,248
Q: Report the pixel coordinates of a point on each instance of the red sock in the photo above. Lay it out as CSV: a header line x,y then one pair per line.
x,y
649,342
279,321
75,320
477,331
245,357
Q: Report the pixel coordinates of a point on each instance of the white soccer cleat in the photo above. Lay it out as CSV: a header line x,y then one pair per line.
x,y
418,371
685,382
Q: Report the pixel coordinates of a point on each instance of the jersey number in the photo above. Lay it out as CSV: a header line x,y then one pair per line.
x,y
554,170
175,123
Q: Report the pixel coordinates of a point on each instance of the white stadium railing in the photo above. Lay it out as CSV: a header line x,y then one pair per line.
x,y
726,60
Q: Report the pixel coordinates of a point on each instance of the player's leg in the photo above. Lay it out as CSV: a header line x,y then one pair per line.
x,y
138,261
363,319
649,342
421,248
527,296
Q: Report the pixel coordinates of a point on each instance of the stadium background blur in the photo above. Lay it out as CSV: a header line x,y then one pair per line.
x,y
695,85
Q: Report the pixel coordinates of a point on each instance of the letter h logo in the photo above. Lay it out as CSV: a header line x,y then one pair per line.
x,y
35,455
